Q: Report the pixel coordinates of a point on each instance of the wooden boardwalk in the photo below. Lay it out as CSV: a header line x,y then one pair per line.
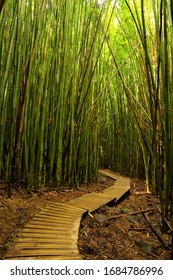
x,y
53,232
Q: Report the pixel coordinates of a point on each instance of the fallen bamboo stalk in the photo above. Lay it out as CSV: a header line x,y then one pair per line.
x,y
129,214
166,221
156,232
142,193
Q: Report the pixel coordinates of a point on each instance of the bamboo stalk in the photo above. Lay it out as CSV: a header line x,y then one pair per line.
x,y
156,232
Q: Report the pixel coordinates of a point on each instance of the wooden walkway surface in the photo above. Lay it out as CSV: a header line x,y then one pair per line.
x,y
53,232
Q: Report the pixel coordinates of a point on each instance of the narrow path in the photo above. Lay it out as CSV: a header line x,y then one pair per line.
x,y
53,232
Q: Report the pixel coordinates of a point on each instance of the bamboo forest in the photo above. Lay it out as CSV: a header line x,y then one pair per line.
x,y
87,85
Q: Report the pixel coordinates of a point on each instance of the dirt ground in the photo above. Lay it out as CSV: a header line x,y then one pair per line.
x,y
106,234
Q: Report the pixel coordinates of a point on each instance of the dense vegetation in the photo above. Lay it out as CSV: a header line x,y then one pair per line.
x,y
86,84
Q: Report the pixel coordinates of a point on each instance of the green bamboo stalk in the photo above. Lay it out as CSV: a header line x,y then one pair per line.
x,y
2,2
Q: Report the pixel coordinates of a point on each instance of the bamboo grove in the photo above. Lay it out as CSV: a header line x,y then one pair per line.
x,y
50,74
86,84
139,124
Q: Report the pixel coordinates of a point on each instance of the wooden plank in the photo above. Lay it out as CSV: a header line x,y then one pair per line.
x,y
45,252
47,231
44,235
36,239
53,218
48,226
49,257
57,215
45,245
49,223
56,223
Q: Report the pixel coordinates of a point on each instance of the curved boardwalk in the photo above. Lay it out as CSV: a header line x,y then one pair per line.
x,y
53,232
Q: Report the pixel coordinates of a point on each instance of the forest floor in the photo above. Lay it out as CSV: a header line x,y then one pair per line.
x,y
106,234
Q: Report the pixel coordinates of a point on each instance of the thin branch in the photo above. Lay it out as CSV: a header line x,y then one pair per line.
x,y
129,214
